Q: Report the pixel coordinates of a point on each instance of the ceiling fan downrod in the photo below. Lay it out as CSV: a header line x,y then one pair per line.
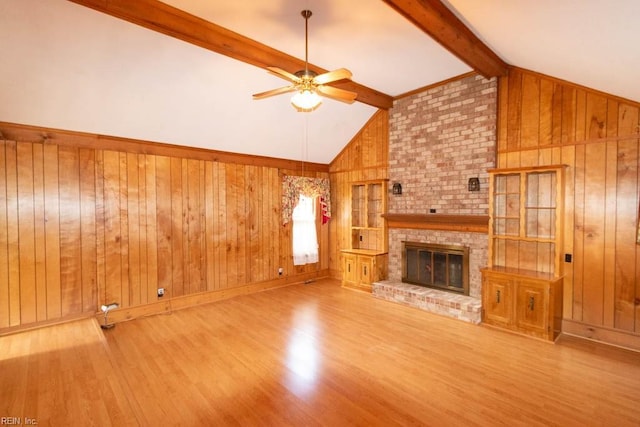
x,y
307,84
306,14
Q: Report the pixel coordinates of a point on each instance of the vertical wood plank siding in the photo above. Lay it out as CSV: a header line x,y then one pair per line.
x,y
80,227
545,121
366,157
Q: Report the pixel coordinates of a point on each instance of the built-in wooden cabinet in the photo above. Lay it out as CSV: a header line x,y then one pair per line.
x,y
362,267
522,301
366,260
522,285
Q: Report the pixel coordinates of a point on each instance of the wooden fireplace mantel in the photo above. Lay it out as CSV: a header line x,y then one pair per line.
x,y
468,223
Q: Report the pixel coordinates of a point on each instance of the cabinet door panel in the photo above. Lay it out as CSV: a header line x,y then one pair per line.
x,y
532,306
497,300
365,265
350,269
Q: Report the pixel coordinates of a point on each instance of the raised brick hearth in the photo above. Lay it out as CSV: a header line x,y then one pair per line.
x,y
458,306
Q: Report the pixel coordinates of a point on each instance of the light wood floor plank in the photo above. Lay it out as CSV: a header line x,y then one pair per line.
x,y
312,355
61,375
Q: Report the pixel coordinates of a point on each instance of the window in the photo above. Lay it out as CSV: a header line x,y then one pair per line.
x,y
305,239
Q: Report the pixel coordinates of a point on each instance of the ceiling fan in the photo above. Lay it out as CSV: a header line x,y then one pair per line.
x,y
309,85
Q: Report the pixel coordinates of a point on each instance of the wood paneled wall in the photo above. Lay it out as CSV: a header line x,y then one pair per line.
x,y
83,226
545,121
366,157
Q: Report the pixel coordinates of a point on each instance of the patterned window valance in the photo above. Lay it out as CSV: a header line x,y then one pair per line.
x,y
293,186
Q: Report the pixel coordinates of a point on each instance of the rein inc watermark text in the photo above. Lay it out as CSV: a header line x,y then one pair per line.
x,y
18,421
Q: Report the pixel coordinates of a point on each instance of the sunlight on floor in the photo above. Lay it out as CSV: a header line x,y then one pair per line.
x,y
303,358
50,339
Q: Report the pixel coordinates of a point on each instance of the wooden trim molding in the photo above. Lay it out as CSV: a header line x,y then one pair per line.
x,y
527,169
178,303
187,301
601,334
32,326
515,69
465,223
35,134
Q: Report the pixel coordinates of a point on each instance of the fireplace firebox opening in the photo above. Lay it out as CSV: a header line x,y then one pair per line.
x,y
444,267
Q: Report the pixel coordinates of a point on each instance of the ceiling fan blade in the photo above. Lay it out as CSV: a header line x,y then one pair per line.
x,y
273,92
284,74
338,94
332,76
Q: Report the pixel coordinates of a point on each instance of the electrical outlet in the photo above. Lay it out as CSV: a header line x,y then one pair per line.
x,y
432,210
280,271
567,257
160,292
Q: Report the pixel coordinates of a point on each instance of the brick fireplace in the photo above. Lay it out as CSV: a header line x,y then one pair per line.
x,y
438,140
452,304
475,242
444,267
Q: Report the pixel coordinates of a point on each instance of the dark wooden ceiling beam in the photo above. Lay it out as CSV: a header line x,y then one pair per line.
x,y
165,19
441,24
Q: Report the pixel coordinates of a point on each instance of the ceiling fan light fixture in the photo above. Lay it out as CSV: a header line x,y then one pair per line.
x,y
306,100
308,85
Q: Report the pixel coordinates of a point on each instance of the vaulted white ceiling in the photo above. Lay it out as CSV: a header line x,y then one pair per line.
x,y
594,43
66,66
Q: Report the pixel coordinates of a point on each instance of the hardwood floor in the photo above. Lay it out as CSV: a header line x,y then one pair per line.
x,y
308,355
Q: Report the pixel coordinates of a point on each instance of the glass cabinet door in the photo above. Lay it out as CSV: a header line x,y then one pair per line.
x,y
506,214
541,205
524,217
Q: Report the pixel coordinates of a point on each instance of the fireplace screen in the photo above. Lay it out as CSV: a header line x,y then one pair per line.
x,y
437,266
